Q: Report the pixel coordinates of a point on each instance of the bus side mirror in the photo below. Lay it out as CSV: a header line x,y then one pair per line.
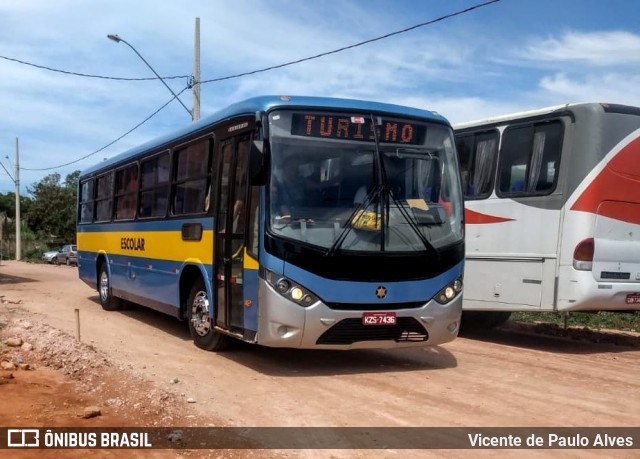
x,y
258,163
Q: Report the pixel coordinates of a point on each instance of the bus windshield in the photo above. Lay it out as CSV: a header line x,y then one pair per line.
x,y
338,185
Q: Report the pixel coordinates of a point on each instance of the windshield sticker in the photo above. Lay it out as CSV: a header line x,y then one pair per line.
x,y
365,220
420,204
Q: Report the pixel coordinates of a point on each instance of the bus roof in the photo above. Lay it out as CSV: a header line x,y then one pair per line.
x,y
263,104
511,116
600,106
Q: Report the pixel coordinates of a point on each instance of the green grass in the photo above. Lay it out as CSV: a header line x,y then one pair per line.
x,y
625,321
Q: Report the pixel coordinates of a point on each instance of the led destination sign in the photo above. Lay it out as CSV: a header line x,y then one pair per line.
x,y
356,128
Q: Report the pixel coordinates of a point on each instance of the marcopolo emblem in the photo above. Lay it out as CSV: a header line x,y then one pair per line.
x,y
381,292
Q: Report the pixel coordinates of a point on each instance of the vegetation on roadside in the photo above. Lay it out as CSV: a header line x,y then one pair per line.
x,y
625,321
47,216
35,255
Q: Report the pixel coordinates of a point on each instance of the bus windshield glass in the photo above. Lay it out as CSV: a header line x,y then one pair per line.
x,y
341,186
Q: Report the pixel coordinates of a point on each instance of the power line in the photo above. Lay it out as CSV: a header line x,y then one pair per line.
x,y
110,143
253,72
381,37
189,85
67,72
8,173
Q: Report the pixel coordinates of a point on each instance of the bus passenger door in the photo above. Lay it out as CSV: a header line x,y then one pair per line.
x,y
229,232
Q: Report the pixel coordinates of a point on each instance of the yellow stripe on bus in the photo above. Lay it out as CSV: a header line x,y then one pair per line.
x,y
161,245
249,261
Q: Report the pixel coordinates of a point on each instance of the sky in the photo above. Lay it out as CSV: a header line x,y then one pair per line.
x,y
506,56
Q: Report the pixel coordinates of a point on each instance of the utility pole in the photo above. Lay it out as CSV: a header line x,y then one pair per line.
x,y
18,241
195,113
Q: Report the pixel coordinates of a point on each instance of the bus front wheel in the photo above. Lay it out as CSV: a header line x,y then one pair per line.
x,y
107,300
200,323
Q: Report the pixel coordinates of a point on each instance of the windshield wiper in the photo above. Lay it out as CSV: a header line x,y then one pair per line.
x,y
413,223
371,195
382,191
379,179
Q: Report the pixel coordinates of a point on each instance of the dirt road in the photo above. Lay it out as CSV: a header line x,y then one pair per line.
x,y
506,378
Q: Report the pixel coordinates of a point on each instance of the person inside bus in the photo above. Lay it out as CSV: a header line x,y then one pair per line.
x,y
238,216
291,192
360,196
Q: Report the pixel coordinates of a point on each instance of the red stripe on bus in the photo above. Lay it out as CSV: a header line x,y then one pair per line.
x,y
618,181
476,218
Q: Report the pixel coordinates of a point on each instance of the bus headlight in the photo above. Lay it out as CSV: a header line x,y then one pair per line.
x,y
296,293
290,289
449,292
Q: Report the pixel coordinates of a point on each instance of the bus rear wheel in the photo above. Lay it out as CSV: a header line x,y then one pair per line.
x,y
107,300
200,323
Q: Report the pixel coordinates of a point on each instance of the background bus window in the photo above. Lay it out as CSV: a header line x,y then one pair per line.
x,y
126,193
104,197
514,158
547,145
529,158
192,178
154,186
477,153
86,202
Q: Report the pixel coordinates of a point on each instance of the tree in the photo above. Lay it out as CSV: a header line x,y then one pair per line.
x,y
53,210
8,204
71,181
8,211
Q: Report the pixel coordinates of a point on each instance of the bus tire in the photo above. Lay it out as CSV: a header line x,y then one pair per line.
x,y
200,325
483,320
107,300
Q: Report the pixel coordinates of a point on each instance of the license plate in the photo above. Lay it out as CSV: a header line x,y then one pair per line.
x,y
633,298
378,318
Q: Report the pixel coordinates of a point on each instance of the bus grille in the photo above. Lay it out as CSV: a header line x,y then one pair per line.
x,y
375,306
349,331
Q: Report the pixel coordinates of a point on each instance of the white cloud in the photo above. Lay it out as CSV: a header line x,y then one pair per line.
x,y
598,48
450,68
609,87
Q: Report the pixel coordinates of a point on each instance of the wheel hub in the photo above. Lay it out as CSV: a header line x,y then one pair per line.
x,y
200,319
104,286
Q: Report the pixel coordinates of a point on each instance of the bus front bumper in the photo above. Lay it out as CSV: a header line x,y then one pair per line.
x,y
284,323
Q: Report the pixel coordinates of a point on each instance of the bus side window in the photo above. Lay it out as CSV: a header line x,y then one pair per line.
x,y
514,158
477,153
464,146
154,186
86,200
547,146
192,178
126,193
529,158
104,197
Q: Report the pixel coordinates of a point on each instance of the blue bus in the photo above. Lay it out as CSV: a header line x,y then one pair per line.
x,y
298,222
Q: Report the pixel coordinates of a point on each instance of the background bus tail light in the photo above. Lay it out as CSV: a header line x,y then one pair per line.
x,y
583,255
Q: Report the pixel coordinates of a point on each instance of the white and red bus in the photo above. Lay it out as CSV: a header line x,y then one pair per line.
x,y
552,213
